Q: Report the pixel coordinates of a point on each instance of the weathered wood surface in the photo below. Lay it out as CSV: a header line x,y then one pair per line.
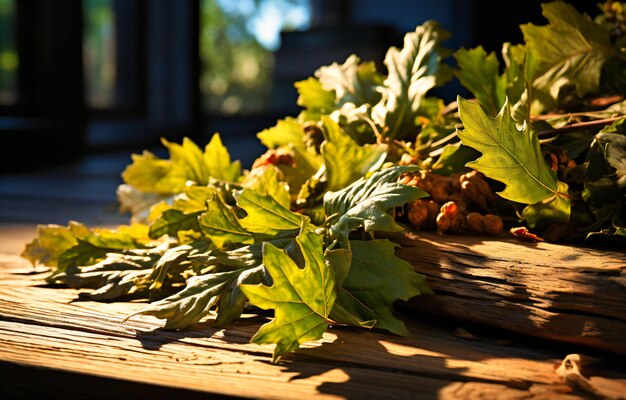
x,y
57,347
48,328
570,294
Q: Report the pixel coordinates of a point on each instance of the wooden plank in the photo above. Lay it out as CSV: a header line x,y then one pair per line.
x,y
565,293
46,327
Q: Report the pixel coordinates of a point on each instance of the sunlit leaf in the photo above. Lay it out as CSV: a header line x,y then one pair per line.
x,y
509,155
302,298
366,203
316,100
570,51
377,278
480,73
286,131
413,71
353,81
221,225
345,160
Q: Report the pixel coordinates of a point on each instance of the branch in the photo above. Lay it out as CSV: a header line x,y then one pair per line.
x,y
577,126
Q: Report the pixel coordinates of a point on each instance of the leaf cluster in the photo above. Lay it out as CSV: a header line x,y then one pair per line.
x,y
296,233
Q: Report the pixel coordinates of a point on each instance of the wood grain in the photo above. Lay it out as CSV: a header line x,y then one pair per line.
x,y
564,293
47,328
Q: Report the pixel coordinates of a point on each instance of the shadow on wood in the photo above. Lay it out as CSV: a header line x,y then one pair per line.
x,y
564,293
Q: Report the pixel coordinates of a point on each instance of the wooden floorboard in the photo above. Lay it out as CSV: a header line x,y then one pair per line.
x,y
47,327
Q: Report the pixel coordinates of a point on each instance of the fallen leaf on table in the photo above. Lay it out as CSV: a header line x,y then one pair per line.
x,y
571,373
522,232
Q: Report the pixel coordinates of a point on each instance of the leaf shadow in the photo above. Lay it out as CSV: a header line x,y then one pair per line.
x,y
432,362
237,332
536,292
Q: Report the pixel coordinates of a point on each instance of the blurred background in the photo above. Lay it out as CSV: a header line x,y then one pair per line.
x,y
85,77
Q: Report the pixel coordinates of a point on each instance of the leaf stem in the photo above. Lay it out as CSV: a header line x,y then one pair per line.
x,y
577,126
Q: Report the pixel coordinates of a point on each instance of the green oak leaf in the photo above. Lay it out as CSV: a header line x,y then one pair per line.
x,y
266,217
413,71
52,241
221,273
267,183
232,300
194,302
377,278
120,273
221,225
353,81
217,161
62,247
557,209
570,51
286,131
177,259
453,159
614,149
82,253
605,175
188,157
187,162
357,123
509,155
345,160
179,217
302,298
199,166
219,290
315,99
513,56
151,174
108,285
611,217
172,221
193,199
480,74
366,203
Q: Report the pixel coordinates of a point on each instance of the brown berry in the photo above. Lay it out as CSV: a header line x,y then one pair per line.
x,y
456,224
450,209
418,215
433,210
475,222
492,224
443,223
439,193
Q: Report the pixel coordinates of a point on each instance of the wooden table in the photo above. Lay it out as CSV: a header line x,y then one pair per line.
x,y
54,345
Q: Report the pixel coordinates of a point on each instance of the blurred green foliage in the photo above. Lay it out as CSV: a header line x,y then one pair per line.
x,y
99,52
236,43
9,60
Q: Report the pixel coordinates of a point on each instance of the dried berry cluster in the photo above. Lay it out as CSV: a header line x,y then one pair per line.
x,y
458,202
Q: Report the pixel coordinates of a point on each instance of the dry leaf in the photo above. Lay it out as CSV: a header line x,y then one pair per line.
x,y
523,233
571,373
